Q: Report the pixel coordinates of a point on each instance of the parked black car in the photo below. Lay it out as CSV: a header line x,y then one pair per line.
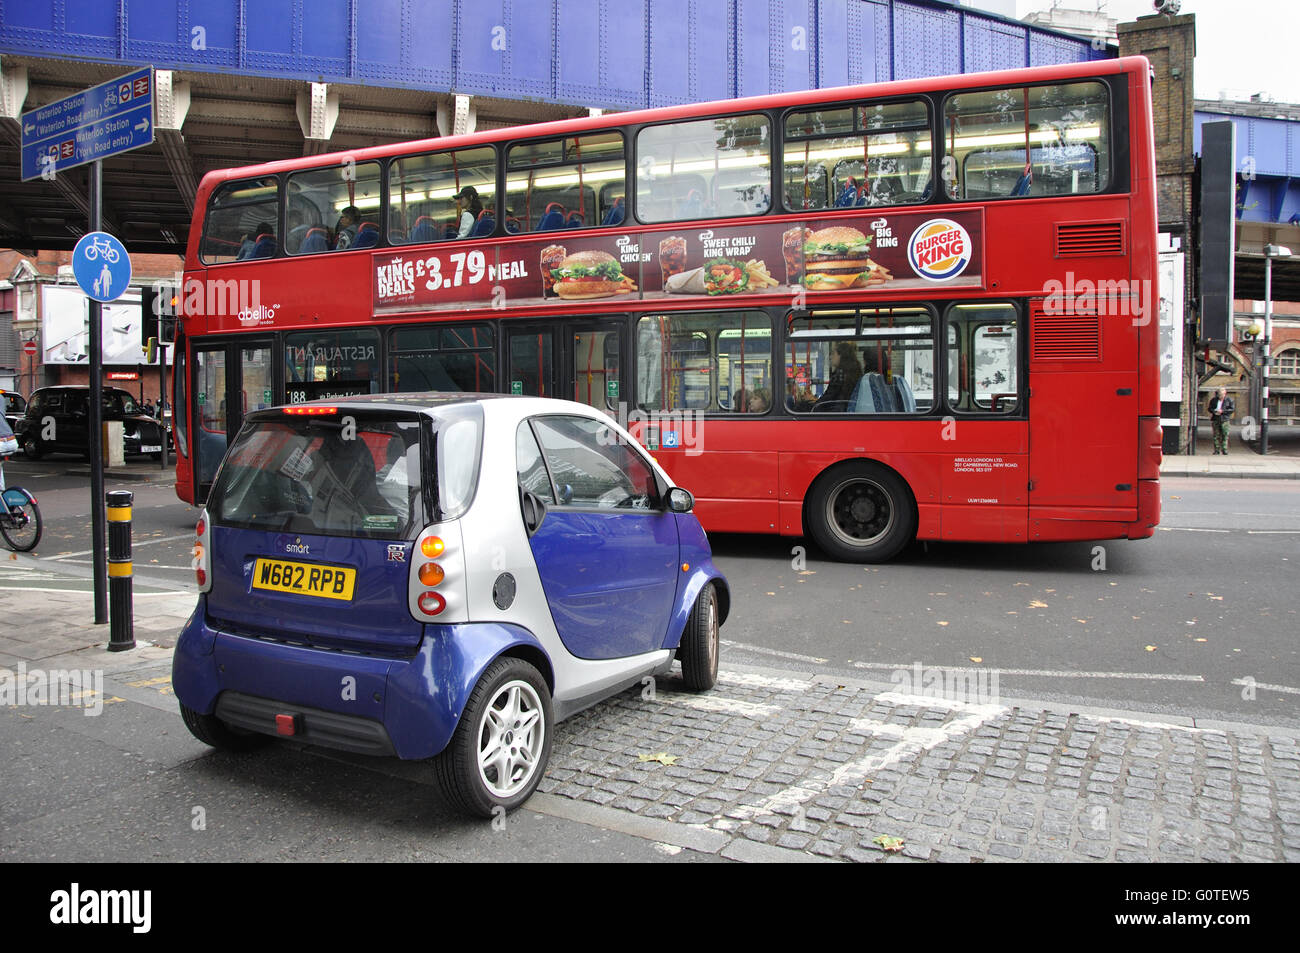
x,y
15,405
58,421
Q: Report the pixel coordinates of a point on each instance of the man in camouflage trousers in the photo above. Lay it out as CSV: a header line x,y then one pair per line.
x,y
1221,408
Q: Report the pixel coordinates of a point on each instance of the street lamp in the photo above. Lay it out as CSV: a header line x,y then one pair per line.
x,y
1270,252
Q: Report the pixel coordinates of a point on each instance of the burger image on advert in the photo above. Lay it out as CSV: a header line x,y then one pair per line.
x,y
590,274
836,257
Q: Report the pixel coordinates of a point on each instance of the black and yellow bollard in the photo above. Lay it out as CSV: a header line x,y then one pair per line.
x,y
120,624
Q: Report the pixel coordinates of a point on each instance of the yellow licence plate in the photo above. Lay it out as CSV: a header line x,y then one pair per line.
x,y
305,579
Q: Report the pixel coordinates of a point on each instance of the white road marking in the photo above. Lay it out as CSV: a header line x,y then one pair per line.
x,y
751,680
911,741
1272,532
134,544
1041,672
1193,529
745,647
727,706
1271,688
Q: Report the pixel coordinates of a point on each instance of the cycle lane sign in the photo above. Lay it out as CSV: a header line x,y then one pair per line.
x,y
101,266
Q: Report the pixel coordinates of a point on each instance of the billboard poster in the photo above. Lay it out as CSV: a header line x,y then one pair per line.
x,y
65,327
1171,326
885,253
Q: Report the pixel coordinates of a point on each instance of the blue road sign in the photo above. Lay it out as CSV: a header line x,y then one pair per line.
x,y
102,266
95,123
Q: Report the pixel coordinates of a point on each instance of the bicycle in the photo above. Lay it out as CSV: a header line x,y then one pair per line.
x,y
20,517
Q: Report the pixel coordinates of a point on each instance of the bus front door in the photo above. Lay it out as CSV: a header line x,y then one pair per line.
x,y
229,380
593,364
530,360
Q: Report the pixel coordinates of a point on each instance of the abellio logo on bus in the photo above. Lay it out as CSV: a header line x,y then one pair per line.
x,y
939,249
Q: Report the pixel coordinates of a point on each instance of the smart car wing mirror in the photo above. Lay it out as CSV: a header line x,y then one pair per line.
x,y
680,500
564,493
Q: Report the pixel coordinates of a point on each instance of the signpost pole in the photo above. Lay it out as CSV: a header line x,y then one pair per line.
x,y
162,396
98,514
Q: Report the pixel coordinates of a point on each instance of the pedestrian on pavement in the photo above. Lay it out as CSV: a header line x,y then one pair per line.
x,y
1221,408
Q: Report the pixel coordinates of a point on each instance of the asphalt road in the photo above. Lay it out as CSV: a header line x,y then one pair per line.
x,y
1180,623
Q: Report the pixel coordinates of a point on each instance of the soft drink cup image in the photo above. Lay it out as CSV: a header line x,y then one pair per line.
x,y
552,257
672,257
792,242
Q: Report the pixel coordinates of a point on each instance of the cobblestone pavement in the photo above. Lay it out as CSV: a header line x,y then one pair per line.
x,y
811,765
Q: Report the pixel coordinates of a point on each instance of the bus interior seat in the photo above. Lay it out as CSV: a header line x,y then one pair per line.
x,y
905,396
485,225
871,395
552,219
425,230
513,226
264,247
1024,183
693,207
316,240
615,214
296,236
367,236
848,195
575,220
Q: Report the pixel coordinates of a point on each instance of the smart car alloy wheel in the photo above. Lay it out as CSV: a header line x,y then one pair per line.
x,y
510,739
501,746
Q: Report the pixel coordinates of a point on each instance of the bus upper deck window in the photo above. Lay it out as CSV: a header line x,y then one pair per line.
x,y
240,223
707,168
441,196
1028,141
333,209
843,157
577,182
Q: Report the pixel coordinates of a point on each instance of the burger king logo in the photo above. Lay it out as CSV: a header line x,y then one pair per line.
x,y
939,249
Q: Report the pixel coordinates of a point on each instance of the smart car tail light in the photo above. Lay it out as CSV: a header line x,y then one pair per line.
x,y
202,553
437,580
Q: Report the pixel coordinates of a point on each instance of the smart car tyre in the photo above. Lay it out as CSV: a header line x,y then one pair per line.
x,y
861,512
699,649
498,755
214,732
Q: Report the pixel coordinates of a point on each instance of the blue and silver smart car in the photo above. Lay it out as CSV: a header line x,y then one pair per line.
x,y
443,575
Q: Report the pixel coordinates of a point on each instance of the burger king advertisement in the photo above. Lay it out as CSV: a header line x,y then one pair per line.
x,y
851,255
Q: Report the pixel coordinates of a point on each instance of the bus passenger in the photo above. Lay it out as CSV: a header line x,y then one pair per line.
x,y
345,231
469,205
846,371
759,400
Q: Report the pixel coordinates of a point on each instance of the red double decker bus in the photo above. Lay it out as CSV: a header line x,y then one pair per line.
x,y
919,309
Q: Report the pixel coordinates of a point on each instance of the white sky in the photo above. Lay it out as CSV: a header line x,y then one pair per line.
x,y
1242,46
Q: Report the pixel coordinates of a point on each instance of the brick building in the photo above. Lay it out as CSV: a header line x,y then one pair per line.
x,y
24,280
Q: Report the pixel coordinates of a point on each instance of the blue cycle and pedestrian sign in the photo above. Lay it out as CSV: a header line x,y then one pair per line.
x,y
101,266
95,123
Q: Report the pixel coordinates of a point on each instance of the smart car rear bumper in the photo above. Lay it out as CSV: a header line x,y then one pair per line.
x,y
377,705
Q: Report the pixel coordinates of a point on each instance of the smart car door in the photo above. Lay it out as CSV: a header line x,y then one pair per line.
x,y
606,549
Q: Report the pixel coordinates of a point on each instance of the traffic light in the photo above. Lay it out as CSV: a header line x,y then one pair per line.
x,y
169,306
148,316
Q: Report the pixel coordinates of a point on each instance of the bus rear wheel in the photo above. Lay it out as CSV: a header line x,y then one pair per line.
x,y
861,512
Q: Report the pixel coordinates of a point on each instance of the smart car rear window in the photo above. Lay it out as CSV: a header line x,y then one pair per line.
x,y
322,476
